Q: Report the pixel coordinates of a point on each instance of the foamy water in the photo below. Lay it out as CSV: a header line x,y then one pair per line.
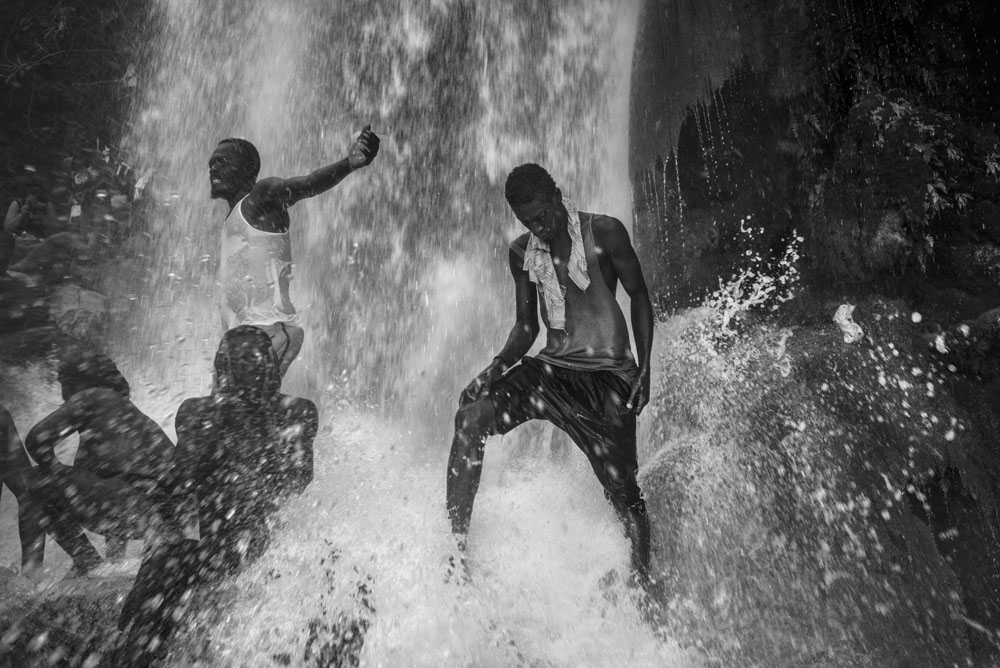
x,y
369,540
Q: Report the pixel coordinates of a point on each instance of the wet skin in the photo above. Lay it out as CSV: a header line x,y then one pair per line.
x,y
266,204
267,200
123,462
547,218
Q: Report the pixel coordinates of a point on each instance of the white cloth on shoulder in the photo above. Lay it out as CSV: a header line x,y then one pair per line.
x,y
542,272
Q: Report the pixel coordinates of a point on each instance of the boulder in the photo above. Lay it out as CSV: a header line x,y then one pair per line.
x,y
21,305
51,260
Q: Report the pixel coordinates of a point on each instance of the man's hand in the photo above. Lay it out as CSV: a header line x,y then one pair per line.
x,y
480,385
364,149
639,396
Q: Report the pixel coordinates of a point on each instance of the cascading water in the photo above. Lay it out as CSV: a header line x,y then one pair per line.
x,y
401,278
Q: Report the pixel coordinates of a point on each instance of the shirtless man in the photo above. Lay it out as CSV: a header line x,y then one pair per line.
x,y
585,380
244,448
240,451
122,475
255,265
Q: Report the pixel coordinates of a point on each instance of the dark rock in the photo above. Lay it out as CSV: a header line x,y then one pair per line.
x,y
82,324
21,306
69,624
39,343
975,267
51,260
986,218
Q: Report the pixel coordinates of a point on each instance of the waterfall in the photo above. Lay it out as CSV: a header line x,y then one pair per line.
x,y
400,271
402,281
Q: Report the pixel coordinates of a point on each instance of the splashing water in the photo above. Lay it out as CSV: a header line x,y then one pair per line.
x,y
401,280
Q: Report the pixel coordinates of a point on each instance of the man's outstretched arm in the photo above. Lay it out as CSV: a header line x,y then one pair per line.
x,y
626,263
286,192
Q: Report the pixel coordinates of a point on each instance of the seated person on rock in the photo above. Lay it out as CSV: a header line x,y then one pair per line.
x,y
239,452
24,216
243,448
120,481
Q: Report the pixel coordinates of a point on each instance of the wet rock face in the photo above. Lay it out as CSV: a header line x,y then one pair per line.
x,y
871,138
71,624
822,498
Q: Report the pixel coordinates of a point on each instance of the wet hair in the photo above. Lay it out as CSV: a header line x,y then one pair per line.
x,y
248,153
87,370
246,365
527,182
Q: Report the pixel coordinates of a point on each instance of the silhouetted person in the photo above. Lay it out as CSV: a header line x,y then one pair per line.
x,y
16,473
241,450
245,447
120,481
585,381
23,216
255,265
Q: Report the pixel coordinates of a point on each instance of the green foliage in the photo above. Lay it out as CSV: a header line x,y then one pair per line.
x,y
67,77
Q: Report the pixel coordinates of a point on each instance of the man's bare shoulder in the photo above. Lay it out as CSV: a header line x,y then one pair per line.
x,y
520,244
608,231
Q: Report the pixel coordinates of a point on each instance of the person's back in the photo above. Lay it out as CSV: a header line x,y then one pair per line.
x,y
117,439
240,451
120,482
246,446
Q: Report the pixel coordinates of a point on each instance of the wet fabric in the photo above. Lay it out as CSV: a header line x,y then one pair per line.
x,y
595,335
255,270
587,405
541,270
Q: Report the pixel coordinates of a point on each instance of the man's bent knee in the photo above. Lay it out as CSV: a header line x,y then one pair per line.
x,y
475,420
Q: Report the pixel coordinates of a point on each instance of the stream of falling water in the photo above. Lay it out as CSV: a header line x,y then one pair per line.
x,y
401,279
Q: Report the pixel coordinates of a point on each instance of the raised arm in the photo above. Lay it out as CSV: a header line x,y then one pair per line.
x,y
271,192
15,217
522,334
626,263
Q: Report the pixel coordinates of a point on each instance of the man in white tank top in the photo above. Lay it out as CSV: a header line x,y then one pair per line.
x,y
255,265
586,380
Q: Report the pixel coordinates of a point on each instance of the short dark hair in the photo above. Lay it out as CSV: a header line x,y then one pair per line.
x,y
249,153
83,371
246,365
526,182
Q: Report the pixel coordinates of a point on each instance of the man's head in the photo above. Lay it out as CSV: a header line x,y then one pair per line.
x,y
246,365
87,370
34,198
535,200
233,167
